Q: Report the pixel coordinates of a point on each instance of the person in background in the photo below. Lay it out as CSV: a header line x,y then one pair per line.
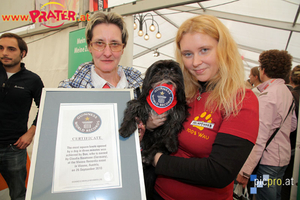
x,y
248,84
106,38
275,101
19,87
215,141
287,81
255,80
295,83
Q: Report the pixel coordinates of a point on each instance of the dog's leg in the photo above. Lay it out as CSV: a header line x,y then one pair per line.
x,y
171,141
149,179
149,153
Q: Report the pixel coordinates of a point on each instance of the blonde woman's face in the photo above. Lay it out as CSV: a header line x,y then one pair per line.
x,y
199,55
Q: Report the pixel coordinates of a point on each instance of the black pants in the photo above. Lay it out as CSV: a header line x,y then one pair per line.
x,y
286,189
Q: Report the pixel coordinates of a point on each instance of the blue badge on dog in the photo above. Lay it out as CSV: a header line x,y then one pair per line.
x,y
161,97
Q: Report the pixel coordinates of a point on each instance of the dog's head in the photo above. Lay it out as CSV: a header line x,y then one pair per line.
x,y
164,71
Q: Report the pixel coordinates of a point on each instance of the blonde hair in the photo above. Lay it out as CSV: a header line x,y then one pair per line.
x,y
227,87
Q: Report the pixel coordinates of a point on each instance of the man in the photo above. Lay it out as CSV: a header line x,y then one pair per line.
x,y
18,87
275,101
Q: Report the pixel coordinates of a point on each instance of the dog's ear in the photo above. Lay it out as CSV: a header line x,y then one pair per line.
x,y
128,125
148,76
179,82
181,95
151,71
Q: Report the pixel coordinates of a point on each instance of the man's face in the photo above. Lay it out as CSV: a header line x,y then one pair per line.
x,y
10,54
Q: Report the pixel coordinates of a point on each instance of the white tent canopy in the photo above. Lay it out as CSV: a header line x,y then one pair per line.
x,y
256,25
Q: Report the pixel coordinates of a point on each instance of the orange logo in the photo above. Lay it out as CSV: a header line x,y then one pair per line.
x,y
204,117
56,15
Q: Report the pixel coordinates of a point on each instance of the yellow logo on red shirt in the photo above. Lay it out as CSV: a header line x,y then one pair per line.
x,y
203,121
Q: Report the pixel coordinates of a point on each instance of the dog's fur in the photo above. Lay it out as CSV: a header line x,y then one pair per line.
x,y
165,137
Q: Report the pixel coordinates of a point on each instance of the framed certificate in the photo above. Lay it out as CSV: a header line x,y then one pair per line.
x,y
78,153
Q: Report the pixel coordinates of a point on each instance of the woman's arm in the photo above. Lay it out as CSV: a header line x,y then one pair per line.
x,y
218,170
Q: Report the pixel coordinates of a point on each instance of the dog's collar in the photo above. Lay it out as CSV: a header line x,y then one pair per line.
x,y
162,98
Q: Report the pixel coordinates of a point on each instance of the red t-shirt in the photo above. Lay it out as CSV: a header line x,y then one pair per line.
x,y
196,140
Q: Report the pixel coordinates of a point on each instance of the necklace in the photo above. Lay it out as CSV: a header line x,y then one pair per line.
x,y
202,89
199,97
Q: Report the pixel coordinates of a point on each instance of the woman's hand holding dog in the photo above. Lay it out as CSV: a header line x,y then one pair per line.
x,y
152,123
156,158
155,121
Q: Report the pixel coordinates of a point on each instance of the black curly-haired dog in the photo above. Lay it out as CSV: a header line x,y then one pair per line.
x,y
161,78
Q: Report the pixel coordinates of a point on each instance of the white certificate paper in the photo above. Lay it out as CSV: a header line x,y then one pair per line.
x,y
87,154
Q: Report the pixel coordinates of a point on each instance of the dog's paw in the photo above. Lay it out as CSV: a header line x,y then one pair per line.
x,y
125,134
127,129
172,147
146,159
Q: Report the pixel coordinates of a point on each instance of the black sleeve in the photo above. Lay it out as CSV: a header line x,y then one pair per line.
x,y
218,170
37,93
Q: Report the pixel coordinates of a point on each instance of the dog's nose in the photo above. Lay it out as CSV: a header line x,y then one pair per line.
x,y
166,71
167,76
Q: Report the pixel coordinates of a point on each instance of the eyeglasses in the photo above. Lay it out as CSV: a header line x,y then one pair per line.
x,y
100,46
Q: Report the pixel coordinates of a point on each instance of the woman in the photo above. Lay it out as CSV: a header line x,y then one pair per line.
x,y
248,84
106,37
295,83
255,80
275,103
215,141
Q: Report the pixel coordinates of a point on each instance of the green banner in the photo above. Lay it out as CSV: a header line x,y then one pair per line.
x,y
78,51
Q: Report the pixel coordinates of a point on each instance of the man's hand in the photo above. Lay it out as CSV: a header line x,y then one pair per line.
x,y
242,180
25,140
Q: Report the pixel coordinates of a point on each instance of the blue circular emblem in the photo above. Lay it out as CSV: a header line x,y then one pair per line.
x,y
161,96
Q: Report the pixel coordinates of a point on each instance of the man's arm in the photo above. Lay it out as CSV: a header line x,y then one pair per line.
x,y
26,139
